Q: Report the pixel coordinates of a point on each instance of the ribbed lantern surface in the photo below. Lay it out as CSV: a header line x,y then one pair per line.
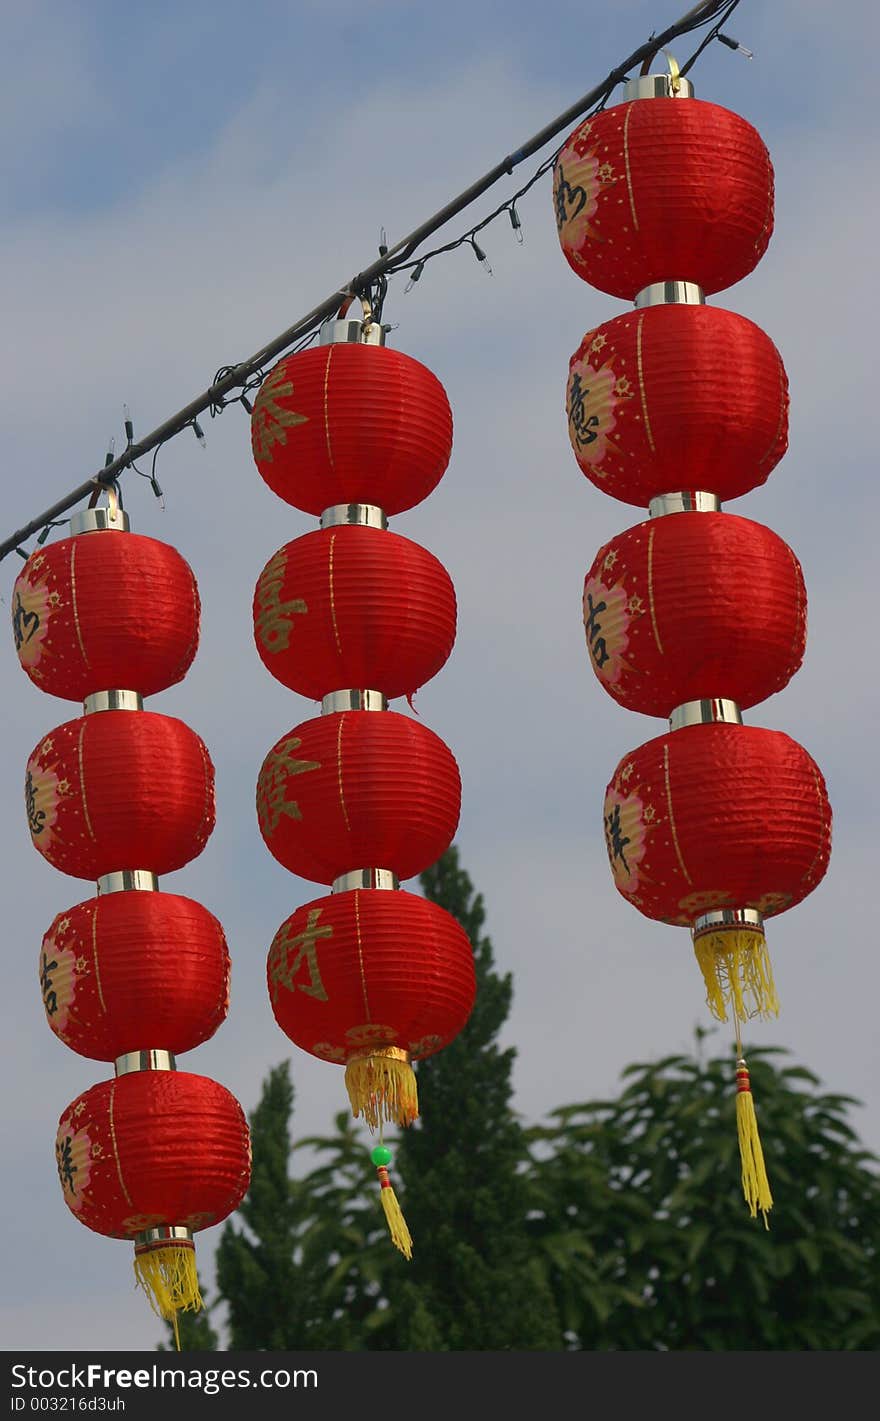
x,y
130,971
90,612
673,395
120,790
366,968
354,606
355,789
663,190
717,816
351,424
153,1148
691,606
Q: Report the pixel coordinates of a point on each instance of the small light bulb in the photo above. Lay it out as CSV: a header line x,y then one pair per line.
x,y
481,257
414,276
516,224
129,426
111,450
247,404
199,433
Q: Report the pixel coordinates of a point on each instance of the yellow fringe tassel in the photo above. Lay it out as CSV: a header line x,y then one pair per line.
x,y
169,1277
400,1235
382,1087
736,969
756,1186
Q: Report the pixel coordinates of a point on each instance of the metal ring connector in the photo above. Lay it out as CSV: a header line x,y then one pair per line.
x,y
715,710
127,880
670,293
113,700
365,878
365,515
727,918
686,500
152,1060
353,700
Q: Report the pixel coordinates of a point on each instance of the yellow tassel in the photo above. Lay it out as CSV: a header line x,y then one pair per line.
x,y
381,1085
736,969
400,1235
168,1275
756,1186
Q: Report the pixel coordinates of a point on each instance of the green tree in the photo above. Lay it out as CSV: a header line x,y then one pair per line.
x,y
647,1186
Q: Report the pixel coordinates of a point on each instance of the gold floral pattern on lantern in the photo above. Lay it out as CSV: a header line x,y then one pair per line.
x,y
592,400
271,421
327,1052
371,1033
705,900
576,189
73,1156
42,791
625,837
58,970
608,614
30,619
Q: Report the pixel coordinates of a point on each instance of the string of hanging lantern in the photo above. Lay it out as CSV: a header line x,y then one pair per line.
x,y
133,976
372,978
662,200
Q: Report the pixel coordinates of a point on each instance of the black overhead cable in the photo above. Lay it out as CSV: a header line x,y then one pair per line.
x,y
372,280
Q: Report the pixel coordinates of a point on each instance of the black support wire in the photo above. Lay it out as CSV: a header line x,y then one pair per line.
x,y
241,376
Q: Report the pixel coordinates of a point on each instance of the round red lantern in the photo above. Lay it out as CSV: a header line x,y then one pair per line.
x,y
663,189
358,789
714,819
105,609
351,423
154,1156
152,1148
372,980
120,790
133,971
694,606
673,396
353,606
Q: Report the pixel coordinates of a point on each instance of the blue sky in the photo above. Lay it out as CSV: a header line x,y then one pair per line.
x,y
180,183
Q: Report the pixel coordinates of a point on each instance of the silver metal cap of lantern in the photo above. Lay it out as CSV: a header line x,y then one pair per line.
x,y
353,700
670,293
112,700
384,878
344,330
727,918
365,515
100,520
152,1060
128,880
658,86
716,710
685,500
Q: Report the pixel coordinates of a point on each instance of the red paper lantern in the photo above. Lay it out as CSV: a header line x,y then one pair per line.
x,y
120,790
134,971
358,789
717,816
153,1148
693,606
105,610
663,189
351,424
372,980
676,396
353,606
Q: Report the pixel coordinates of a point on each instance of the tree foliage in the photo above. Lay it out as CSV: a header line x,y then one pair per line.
x,y
616,1225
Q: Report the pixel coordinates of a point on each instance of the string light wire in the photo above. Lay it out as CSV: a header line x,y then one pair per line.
x,y
372,282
